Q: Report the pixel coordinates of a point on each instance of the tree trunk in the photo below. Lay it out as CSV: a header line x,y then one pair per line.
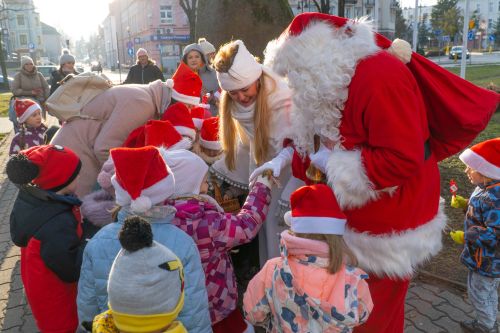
x,y
255,22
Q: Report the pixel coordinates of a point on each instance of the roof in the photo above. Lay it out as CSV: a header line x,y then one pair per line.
x,y
49,30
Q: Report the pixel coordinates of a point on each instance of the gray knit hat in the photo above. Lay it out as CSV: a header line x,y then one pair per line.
x,y
26,60
65,58
194,47
146,278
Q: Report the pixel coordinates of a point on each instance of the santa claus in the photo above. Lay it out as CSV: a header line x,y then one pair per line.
x,y
387,121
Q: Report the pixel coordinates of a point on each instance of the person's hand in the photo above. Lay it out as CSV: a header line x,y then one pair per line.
x,y
458,201
275,165
36,92
320,158
457,236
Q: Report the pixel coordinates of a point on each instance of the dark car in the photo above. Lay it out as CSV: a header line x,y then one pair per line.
x,y
96,67
457,50
46,71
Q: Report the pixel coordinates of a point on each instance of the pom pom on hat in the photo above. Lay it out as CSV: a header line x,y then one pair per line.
x,y
135,234
21,170
206,46
484,157
315,211
169,83
24,108
187,85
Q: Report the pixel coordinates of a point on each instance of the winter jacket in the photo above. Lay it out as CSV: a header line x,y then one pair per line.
x,y
295,293
215,233
143,75
31,137
25,82
55,78
115,112
481,253
103,323
210,85
103,248
48,229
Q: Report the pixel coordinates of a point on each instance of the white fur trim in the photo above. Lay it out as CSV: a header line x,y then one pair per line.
x,y
318,225
156,193
213,145
197,123
141,204
205,106
191,100
401,49
397,254
185,143
348,179
170,83
244,71
29,111
480,164
186,131
319,64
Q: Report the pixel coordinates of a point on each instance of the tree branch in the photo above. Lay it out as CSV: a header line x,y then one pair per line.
x,y
317,5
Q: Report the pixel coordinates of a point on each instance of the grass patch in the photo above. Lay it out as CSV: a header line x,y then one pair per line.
x,y
480,75
4,104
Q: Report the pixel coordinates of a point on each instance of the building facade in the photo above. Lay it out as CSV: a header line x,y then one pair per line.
x,y
159,26
53,42
486,14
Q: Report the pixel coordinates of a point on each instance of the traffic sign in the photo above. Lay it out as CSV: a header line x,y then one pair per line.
x,y
470,35
137,40
31,46
438,32
129,45
491,38
130,51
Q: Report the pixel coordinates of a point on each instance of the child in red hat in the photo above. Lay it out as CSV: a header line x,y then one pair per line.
x,y
310,288
46,223
32,129
208,146
481,254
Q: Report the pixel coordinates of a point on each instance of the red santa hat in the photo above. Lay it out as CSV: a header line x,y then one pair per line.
x,y
484,158
178,114
161,133
142,178
187,85
136,138
57,167
315,211
209,134
25,108
198,114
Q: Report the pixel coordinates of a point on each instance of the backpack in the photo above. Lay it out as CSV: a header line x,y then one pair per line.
x,y
74,92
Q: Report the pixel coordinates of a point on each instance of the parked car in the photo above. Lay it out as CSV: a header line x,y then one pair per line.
x,y
457,50
46,71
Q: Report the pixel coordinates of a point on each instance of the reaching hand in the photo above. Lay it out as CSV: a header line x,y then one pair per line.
x,y
457,236
320,158
458,201
283,159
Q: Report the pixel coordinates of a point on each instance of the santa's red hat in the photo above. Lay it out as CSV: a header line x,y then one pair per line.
x,y
135,139
187,85
484,158
25,108
142,178
315,211
209,134
198,114
161,133
178,114
57,166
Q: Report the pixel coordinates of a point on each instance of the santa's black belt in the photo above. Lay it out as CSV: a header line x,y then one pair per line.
x,y
427,150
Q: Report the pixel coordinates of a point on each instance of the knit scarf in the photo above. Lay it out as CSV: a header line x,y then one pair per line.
x,y
245,116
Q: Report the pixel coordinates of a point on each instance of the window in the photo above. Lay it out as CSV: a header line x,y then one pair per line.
x,y
39,40
478,8
20,19
166,15
23,40
490,23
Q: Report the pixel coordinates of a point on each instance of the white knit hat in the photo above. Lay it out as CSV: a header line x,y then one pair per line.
x,y
26,60
146,281
244,71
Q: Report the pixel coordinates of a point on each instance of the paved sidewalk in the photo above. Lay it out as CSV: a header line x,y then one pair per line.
x,y
429,308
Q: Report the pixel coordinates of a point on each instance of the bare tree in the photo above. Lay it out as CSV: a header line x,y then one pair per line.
x,y
189,7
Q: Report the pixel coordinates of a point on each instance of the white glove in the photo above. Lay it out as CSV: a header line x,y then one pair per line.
x,y
320,158
283,159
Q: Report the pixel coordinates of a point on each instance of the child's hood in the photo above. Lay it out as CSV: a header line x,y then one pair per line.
x,y
314,293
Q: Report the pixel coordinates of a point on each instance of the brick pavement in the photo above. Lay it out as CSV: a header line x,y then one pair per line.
x,y
429,308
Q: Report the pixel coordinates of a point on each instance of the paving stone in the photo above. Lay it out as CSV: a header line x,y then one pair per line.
x,y
13,318
458,301
29,324
426,325
426,309
450,325
453,312
427,295
16,298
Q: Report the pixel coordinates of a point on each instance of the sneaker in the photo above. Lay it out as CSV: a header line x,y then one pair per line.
x,y
473,326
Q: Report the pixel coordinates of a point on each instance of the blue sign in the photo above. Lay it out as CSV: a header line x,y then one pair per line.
x,y
438,32
445,38
177,38
470,35
130,51
491,38
137,40
130,45
31,46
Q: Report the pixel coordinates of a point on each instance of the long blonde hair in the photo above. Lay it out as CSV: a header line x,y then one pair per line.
x,y
338,252
230,128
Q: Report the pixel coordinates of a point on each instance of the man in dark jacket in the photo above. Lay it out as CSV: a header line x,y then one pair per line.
x,y
144,71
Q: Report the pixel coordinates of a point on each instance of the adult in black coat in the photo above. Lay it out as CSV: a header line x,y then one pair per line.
x,y
144,71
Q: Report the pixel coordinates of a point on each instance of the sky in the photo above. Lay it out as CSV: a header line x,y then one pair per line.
x,y
411,3
76,18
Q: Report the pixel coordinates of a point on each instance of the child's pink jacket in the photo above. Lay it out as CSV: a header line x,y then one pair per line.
x,y
215,233
295,293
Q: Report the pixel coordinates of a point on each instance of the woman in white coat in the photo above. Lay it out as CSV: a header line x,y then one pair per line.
x,y
254,117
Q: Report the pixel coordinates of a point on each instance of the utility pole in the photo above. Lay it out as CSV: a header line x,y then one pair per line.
x,y
464,39
415,27
5,84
